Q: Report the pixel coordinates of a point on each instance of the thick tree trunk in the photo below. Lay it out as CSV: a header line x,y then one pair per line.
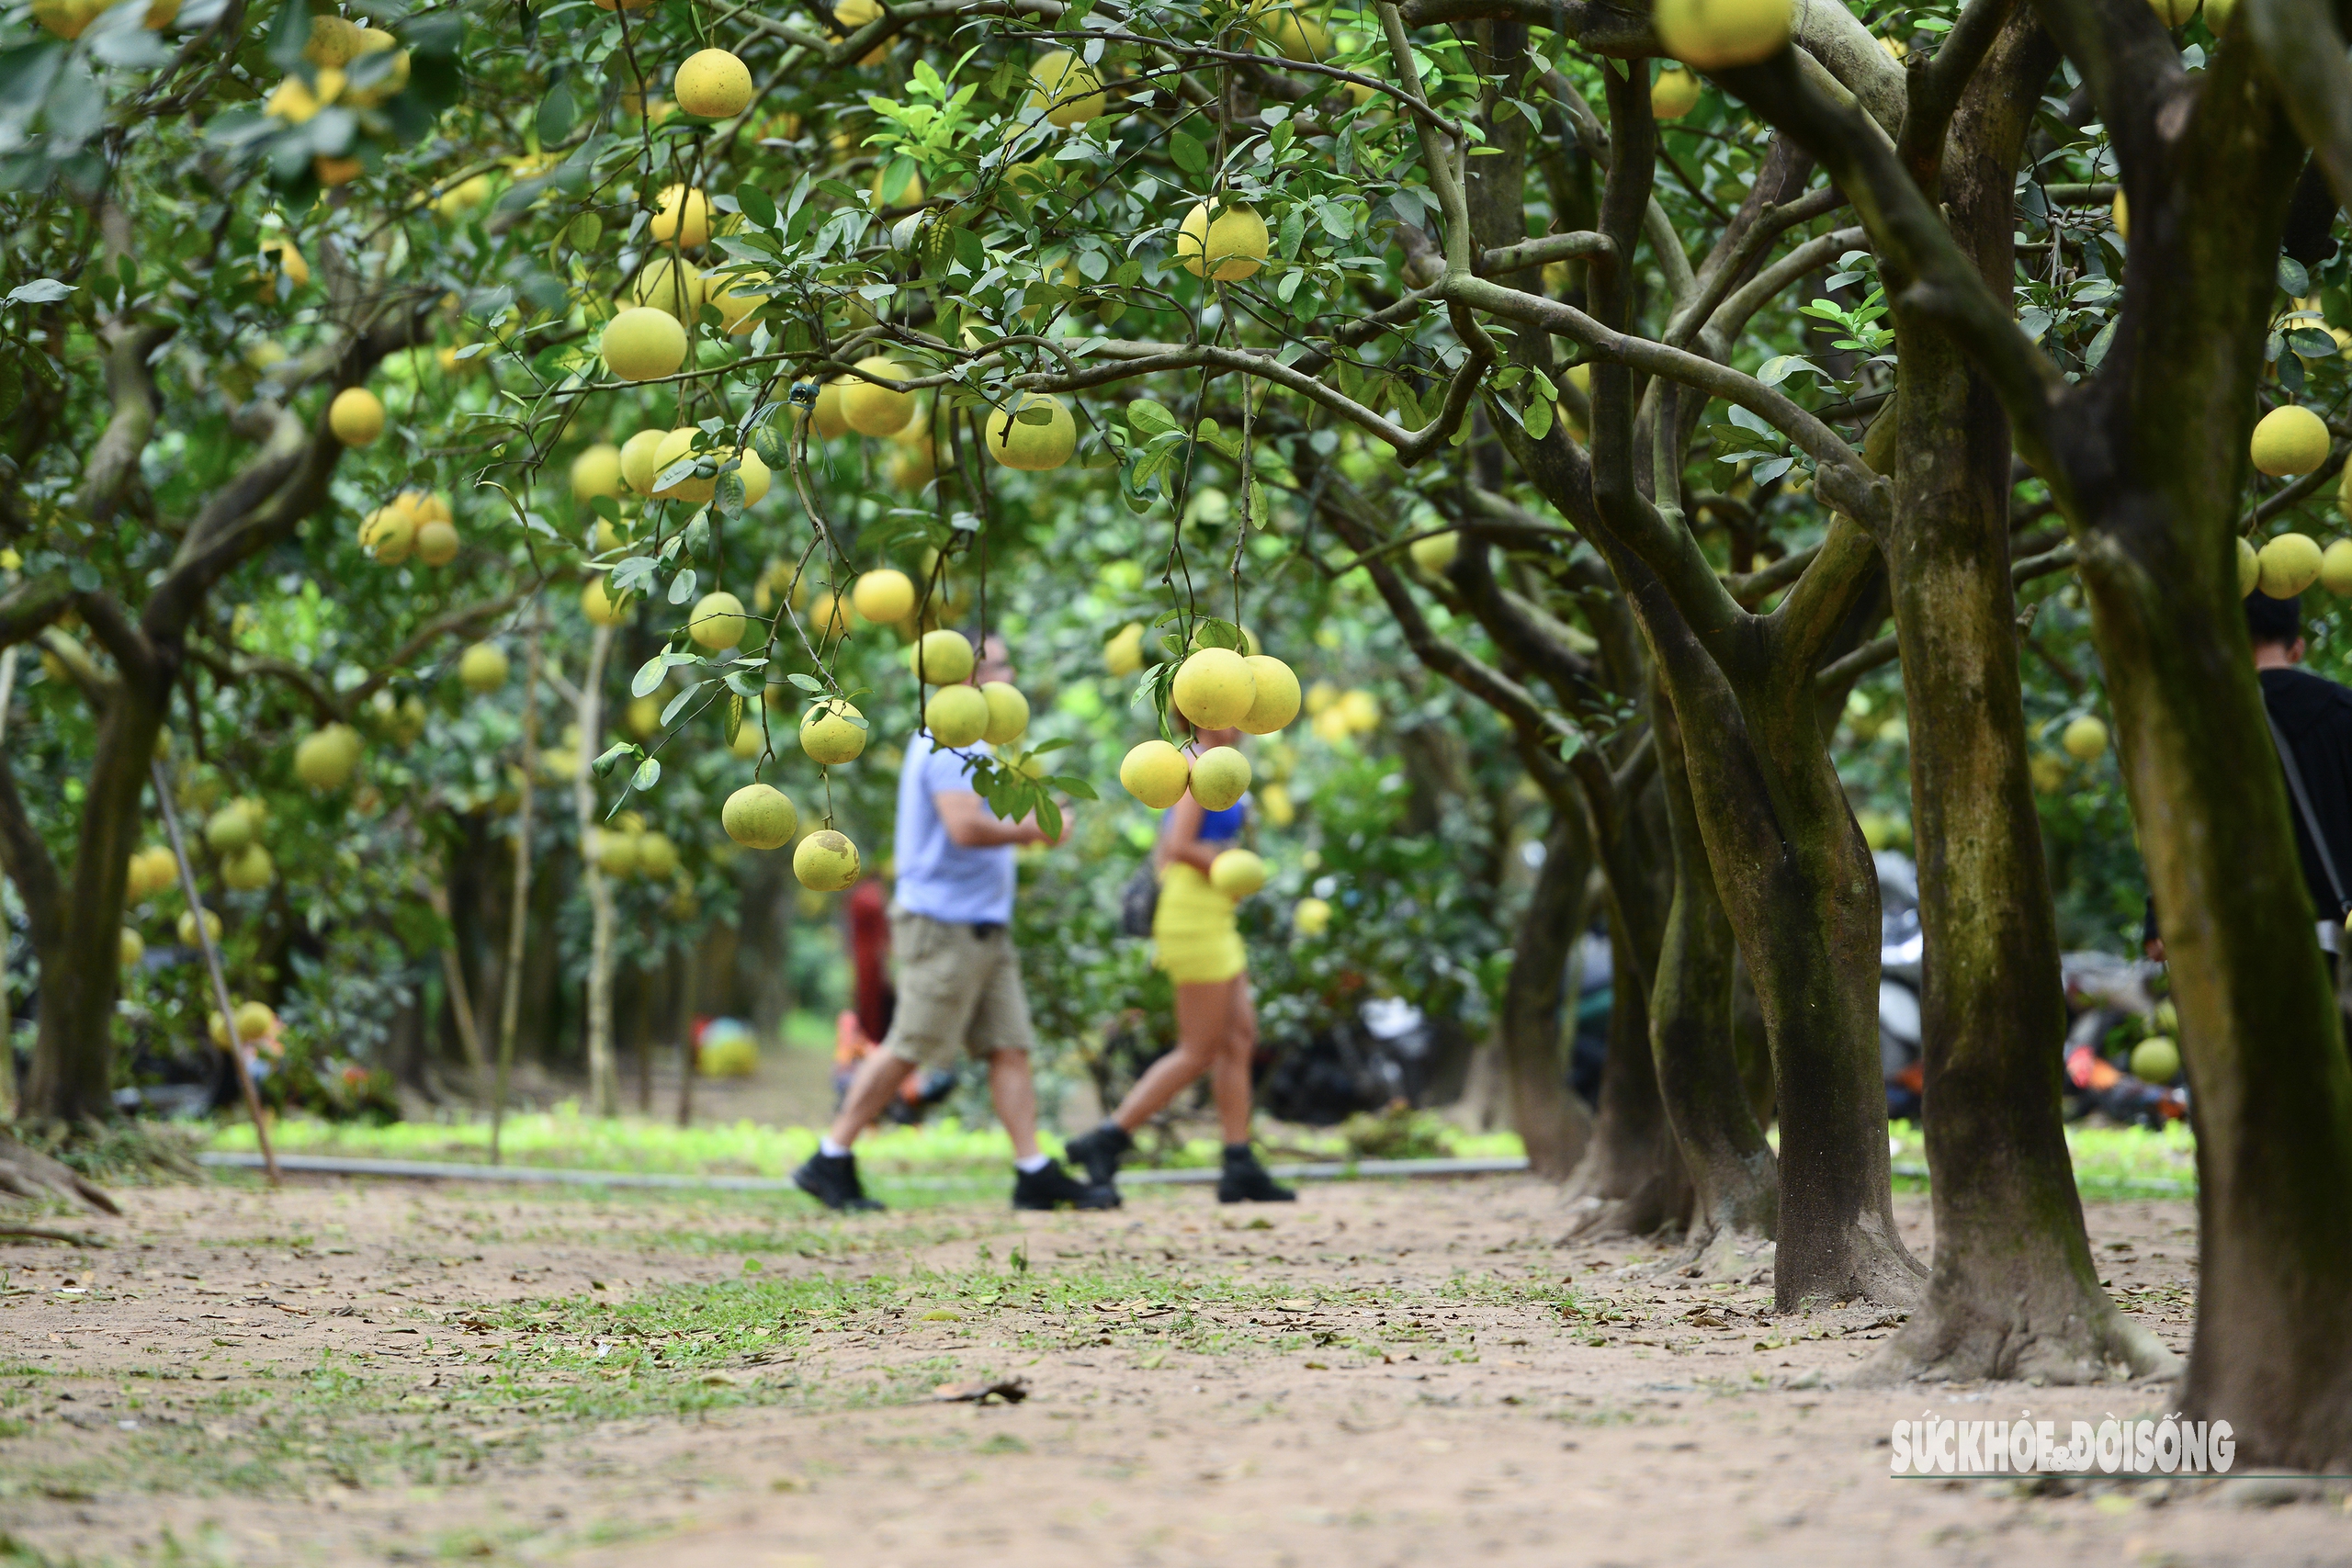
x,y
1550,1120
2014,1292
1734,1177
1630,1180
81,965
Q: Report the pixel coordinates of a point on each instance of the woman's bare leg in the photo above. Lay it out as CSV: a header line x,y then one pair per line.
x,y
1201,1031
1231,1084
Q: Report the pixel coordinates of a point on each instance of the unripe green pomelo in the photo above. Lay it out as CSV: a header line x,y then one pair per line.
x,y
826,861
828,736
229,830
186,927
1220,777
482,667
717,621
942,657
1008,713
657,856
132,947
641,344
1437,552
759,817
1155,773
2155,1060
956,715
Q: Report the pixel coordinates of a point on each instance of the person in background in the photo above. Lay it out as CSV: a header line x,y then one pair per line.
x,y
1194,939
959,975
859,1031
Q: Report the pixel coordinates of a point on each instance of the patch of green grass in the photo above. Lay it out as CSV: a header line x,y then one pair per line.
x,y
2110,1162
940,1160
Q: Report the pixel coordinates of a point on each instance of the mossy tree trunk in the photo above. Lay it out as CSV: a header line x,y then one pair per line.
x,y
1550,1120
2147,457
1734,1177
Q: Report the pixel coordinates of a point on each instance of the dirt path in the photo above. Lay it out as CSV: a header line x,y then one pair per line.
x,y
1384,1374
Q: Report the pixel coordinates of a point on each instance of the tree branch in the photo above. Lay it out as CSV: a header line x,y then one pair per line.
x,y
113,463
32,605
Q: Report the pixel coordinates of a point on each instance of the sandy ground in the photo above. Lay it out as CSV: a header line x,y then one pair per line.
x,y
1384,1374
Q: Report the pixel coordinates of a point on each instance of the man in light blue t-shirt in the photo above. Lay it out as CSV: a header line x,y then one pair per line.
x,y
959,975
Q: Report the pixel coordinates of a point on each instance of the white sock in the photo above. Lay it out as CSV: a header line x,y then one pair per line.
x,y
1033,1164
830,1149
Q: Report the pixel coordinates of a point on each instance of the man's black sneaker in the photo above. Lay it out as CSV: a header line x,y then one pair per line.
x,y
1099,1152
832,1180
1051,1187
1244,1180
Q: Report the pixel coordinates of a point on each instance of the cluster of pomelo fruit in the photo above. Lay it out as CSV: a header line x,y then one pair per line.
x,y
234,833
345,67
626,847
1216,688
413,523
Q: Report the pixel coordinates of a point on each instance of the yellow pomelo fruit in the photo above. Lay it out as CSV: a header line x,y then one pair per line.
x,y
829,736
884,597
956,715
355,416
673,287
2155,1060
638,466
1673,95
1227,249
2249,566
733,299
1237,874
675,446
717,621
826,861
596,471
1122,655
1359,709
1281,810
712,84
1437,552
2121,215
1155,773
326,758
1220,777
249,870
827,614
1715,35
683,216
642,342
482,667
877,410
601,608
334,41
657,856
387,534
830,422
613,851
2174,13
753,472
942,657
228,830
436,542
2291,563
1008,713
728,1055
255,1022
751,739
1310,917
132,947
1273,701
1067,88
1035,447
376,41
2344,492
2290,440
1215,689
2335,568
186,927
644,717
2084,739
760,817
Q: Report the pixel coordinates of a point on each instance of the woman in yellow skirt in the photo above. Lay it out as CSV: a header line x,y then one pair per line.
x,y
1194,941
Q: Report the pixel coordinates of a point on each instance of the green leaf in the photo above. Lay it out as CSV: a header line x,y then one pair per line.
x,y
1147,418
2292,278
648,679
647,774
1538,423
681,587
558,113
755,205
290,34
1188,154
603,766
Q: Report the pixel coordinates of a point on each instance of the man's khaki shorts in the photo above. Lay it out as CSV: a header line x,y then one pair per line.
x,y
958,991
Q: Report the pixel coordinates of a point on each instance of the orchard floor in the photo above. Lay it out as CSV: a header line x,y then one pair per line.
x,y
1382,1374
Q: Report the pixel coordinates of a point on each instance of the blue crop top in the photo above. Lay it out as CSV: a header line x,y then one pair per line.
x,y
1218,826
